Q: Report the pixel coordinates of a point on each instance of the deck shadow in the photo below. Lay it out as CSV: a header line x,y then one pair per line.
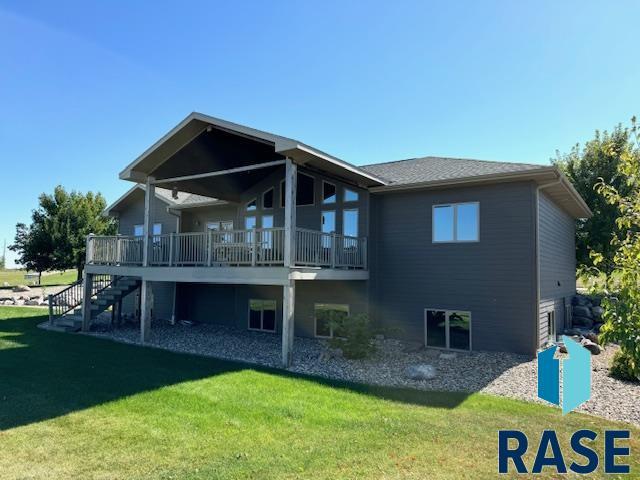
x,y
45,375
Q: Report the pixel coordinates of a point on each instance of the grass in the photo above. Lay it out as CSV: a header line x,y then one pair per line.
x,y
73,406
16,277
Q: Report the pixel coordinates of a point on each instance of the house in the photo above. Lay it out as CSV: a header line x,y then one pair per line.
x,y
233,225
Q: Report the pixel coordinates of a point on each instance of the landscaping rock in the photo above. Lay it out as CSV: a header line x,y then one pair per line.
x,y
448,356
580,300
594,348
562,348
582,322
597,326
32,303
421,372
581,311
592,336
597,311
21,288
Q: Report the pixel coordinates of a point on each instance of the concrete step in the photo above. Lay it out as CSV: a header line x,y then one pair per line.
x,y
69,321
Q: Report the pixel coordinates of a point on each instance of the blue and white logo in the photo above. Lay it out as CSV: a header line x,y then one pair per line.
x,y
576,376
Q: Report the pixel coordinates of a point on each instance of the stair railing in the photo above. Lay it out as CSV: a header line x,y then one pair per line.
x,y
71,297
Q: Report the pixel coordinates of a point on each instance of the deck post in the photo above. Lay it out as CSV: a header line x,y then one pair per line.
x,y
87,290
171,247
149,194
146,307
290,180
288,315
50,302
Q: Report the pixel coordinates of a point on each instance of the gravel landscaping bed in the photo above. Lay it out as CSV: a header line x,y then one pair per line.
x,y
498,373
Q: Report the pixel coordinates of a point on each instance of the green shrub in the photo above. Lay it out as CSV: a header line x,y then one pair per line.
x,y
622,367
353,334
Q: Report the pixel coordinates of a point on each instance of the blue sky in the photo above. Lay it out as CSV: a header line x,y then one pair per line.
x,y
85,87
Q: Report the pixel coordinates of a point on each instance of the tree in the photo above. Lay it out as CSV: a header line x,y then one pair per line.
x,y
599,159
622,285
56,238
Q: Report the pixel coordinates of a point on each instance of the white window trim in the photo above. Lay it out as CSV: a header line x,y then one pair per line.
x,y
315,318
447,311
322,201
275,326
455,222
357,210
273,200
344,195
141,225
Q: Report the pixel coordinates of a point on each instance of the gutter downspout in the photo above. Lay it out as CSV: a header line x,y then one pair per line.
x,y
537,252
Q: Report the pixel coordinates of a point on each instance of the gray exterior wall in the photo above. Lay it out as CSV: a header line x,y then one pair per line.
x,y
494,278
557,265
133,214
229,304
308,216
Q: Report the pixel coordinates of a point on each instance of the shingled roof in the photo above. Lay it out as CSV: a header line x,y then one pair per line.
x,y
432,169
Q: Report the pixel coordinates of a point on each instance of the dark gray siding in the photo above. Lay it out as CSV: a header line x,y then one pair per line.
x,y
557,263
133,215
494,278
229,304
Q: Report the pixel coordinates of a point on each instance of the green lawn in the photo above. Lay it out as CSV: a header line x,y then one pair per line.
x,y
73,406
16,277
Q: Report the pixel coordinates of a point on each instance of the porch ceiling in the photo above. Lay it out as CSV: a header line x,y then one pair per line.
x,y
202,144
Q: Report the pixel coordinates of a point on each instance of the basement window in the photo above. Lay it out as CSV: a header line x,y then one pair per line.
x,y
551,326
325,313
262,315
449,329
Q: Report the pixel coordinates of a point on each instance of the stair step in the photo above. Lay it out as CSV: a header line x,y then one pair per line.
x,y
69,321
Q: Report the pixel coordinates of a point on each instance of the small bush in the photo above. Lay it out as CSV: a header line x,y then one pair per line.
x,y
353,335
622,367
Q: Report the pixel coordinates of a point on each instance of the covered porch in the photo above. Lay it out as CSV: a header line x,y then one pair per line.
x,y
221,160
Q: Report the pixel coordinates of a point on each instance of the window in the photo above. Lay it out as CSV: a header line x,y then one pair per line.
x,y
249,224
350,195
447,329
252,205
328,192
324,314
551,326
350,223
456,222
138,230
267,237
217,226
267,199
262,315
305,192
328,227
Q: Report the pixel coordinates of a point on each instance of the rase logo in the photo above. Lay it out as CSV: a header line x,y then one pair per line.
x,y
576,389
576,376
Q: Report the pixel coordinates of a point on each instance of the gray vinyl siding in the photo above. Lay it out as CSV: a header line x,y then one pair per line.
x,y
557,264
127,219
134,215
494,278
229,304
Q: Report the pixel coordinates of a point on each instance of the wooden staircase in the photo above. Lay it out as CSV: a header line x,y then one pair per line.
x,y
65,308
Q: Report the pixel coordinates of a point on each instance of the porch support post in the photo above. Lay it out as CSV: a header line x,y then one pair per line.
x,y
146,306
288,314
290,213
149,195
87,288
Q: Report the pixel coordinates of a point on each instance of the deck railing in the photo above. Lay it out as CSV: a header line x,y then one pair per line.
x,y
72,296
256,247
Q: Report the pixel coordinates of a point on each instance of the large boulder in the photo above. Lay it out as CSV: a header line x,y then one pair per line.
x,y
597,311
582,322
32,303
21,288
421,372
594,348
581,311
581,300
